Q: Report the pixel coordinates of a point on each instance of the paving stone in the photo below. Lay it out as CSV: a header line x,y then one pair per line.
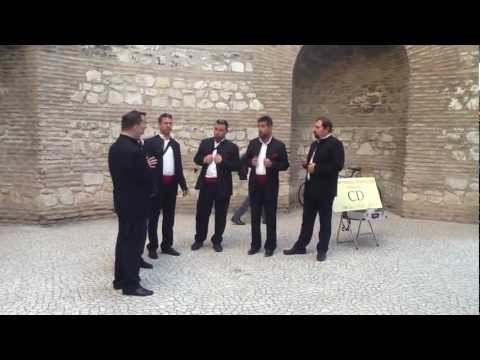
x,y
421,267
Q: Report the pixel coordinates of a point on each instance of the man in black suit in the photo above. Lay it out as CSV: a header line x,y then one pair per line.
x,y
167,176
218,158
237,216
266,156
130,171
325,160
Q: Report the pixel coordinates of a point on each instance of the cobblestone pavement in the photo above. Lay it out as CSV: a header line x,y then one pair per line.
x,y
421,267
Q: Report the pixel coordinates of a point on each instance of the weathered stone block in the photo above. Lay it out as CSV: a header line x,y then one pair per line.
x,y
151,92
226,95
256,105
78,96
94,76
222,106
200,85
133,98
410,197
92,98
89,179
175,93
205,104
98,88
65,196
160,101
239,105
189,101
217,85
366,149
237,67
472,137
457,183
214,96
115,97
220,68
179,84
229,86
162,82
46,201
145,80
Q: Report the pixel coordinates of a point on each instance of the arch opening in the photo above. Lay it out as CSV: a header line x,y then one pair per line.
x,y
364,90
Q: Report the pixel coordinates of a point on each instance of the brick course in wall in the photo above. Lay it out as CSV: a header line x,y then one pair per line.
x,y
414,108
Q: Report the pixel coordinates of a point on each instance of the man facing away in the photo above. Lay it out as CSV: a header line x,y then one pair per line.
x,y
130,171
167,176
325,160
266,157
218,158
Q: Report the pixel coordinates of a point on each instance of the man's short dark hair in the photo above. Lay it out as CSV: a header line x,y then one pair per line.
x,y
266,119
131,119
326,123
223,122
165,116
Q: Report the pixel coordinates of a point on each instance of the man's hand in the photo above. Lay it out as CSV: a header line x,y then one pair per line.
x,y
208,159
218,159
268,163
311,168
254,161
304,164
152,162
185,192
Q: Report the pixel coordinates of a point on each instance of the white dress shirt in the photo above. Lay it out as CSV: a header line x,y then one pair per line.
x,y
168,158
261,169
212,168
313,155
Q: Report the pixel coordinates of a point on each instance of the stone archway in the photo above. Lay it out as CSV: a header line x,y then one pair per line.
x,y
364,90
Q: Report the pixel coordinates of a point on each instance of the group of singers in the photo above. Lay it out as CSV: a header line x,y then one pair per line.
x,y
146,176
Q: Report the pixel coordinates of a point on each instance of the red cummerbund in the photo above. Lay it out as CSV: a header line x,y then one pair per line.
x,y
168,180
261,179
211,181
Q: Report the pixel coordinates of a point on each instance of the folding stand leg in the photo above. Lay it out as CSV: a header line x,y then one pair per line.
x,y
373,233
339,227
355,239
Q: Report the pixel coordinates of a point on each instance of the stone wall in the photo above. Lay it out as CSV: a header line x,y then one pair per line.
x,y
19,148
82,91
441,163
407,114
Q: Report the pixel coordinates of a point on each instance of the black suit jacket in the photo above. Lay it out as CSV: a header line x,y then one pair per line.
x,y
231,162
277,153
329,160
154,147
130,176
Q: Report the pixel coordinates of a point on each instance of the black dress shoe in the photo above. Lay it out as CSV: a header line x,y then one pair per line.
x,y
253,251
237,221
295,251
322,256
145,265
171,251
152,254
116,286
197,245
268,253
217,247
140,291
